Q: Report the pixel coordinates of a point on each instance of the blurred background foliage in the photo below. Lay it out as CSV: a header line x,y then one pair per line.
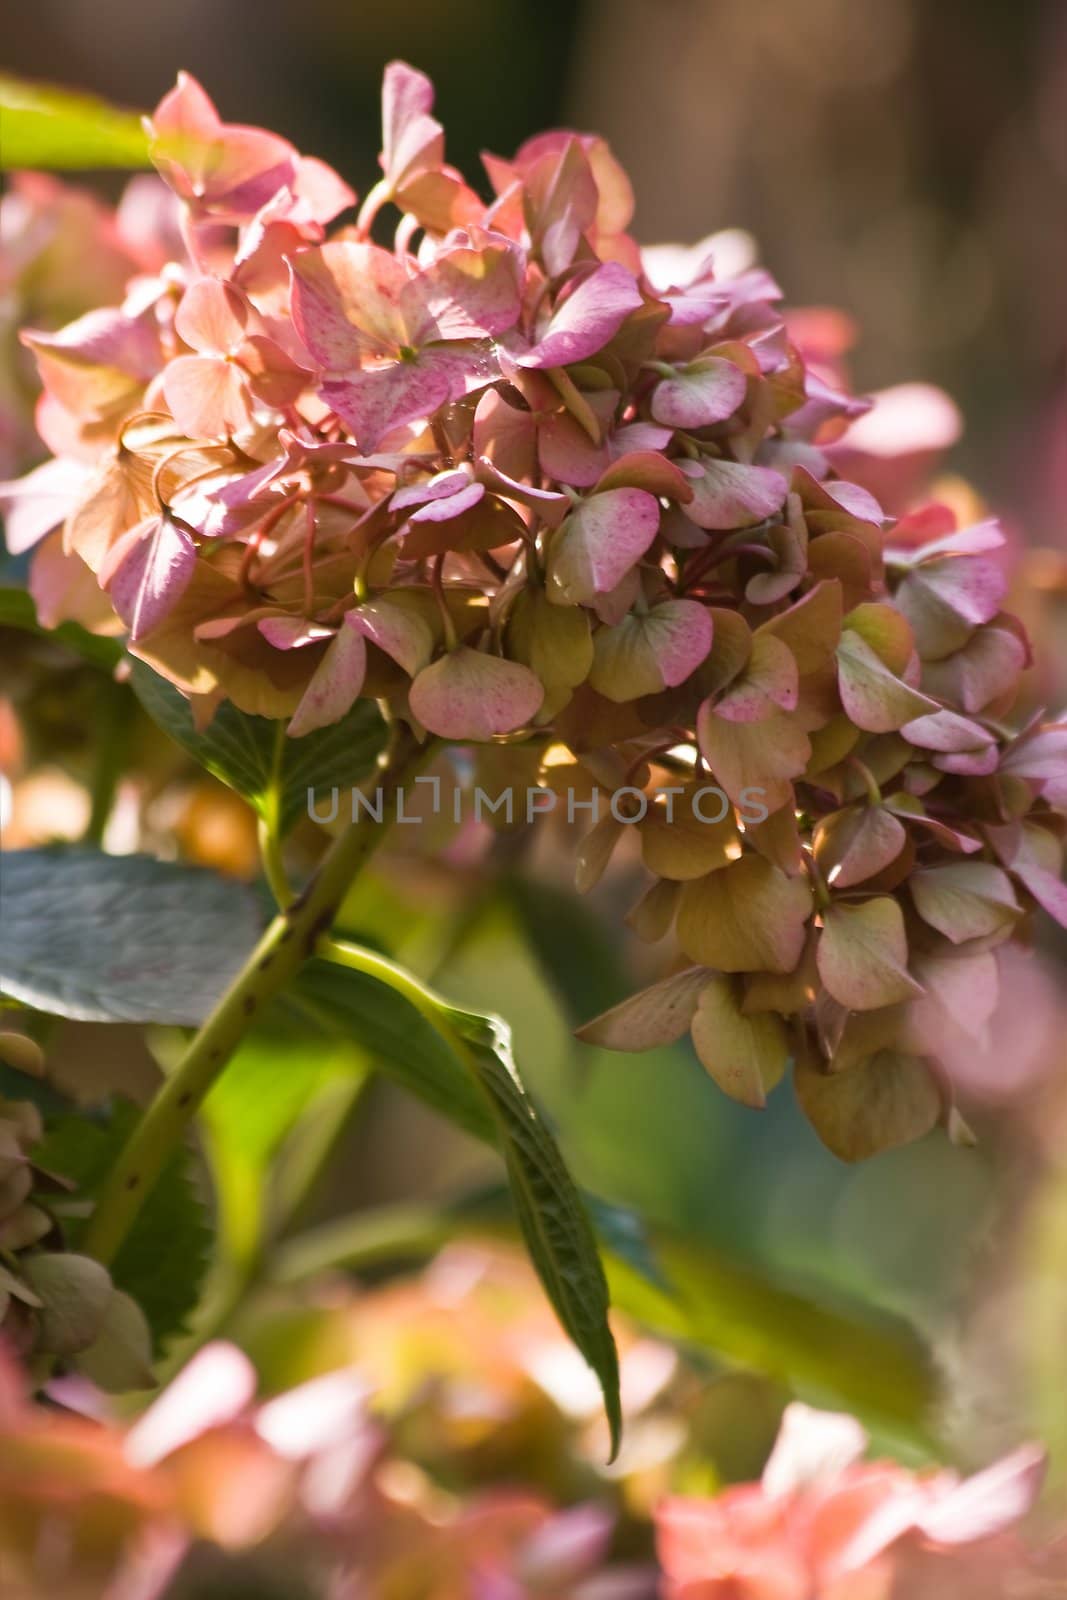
x,y
903,161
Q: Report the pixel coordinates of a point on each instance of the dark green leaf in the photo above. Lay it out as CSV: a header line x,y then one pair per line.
x,y
162,1262
120,938
495,1106
17,610
241,749
399,1041
45,127
554,1222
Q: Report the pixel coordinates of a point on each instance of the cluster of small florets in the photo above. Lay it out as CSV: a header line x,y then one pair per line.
x,y
52,1303
520,480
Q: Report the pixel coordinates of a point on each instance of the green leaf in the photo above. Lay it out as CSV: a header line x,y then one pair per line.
x,y
241,749
832,1356
460,1062
17,610
400,1042
41,126
162,1262
120,938
555,1225
251,1116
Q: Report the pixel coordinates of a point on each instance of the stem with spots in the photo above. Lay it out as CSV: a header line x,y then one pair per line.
x,y
291,938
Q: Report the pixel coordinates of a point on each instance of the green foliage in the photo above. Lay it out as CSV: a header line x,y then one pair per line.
x,y
404,1045
554,1222
244,751
41,126
253,1115
461,1063
120,938
832,1355
163,1259
17,610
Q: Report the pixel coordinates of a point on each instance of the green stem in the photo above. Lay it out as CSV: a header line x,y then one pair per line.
x,y
425,1002
291,939
874,793
269,828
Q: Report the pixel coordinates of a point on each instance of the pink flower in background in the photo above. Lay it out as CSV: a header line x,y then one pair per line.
x,y
822,1524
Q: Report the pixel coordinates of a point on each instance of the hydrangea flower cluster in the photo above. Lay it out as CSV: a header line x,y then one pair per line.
x,y
520,480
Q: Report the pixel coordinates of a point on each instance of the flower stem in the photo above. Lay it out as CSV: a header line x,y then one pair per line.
x,y
290,939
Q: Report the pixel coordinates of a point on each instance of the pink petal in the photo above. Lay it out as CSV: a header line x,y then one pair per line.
x,y
550,506
206,396
291,633
402,634
374,402
213,1388
439,487
647,469
64,589
729,494
187,112
680,634
561,193
856,500
147,573
324,1411
988,666
601,540
1048,890
273,376
904,419
989,1502
813,1448
638,437
587,319
947,732
345,302
505,436
465,294
707,391
450,506
411,138
980,538
226,169
211,317
469,695
335,685
969,763
1042,760
567,454
40,501
321,191
85,363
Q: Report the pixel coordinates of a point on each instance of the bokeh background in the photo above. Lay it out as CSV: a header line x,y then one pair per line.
x,y
907,163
